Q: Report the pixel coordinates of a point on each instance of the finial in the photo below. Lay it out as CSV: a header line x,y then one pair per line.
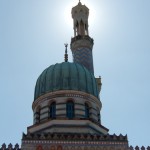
x,y
66,54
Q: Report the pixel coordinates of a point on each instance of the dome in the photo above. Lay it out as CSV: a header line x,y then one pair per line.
x,y
66,76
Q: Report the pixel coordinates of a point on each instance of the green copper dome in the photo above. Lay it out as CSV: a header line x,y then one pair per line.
x,y
66,76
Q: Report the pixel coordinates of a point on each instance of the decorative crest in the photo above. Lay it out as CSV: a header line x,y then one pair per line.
x,y
66,54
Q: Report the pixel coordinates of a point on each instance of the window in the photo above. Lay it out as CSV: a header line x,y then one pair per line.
x,y
37,115
87,111
98,115
53,110
70,110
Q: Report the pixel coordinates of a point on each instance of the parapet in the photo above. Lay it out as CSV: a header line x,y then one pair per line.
x,y
10,147
77,137
139,148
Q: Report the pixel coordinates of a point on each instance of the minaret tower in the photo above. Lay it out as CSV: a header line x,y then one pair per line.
x,y
82,43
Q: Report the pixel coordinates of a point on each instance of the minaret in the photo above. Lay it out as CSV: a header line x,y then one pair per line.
x,y
82,43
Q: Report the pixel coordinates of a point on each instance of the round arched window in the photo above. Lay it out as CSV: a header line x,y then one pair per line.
x,y
87,112
70,109
52,110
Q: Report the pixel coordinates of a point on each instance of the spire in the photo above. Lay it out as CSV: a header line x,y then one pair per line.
x,y
66,54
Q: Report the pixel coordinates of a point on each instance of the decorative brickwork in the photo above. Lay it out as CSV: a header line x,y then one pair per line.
x,y
81,47
74,141
84,56
76,137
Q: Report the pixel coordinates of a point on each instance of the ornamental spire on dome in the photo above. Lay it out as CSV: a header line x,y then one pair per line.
x,y
66,54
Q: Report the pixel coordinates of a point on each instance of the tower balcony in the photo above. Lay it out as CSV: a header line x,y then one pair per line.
x,y
85,37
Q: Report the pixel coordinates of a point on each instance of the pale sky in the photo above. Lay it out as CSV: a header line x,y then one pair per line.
x,y
32,37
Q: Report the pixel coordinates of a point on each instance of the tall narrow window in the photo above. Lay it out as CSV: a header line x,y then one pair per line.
x,y
98,115
53,110
70,110
87,114
37,116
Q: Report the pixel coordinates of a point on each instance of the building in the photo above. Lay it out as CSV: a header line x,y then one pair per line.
x,y
67,105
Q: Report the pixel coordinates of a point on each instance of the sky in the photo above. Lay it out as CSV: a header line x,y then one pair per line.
x,y
32,37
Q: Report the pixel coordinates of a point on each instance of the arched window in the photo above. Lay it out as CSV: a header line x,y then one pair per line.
x,y
87,113
37,115
52,110
98,115
70,110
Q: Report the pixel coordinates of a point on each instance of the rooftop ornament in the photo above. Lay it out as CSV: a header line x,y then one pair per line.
x,y
66,54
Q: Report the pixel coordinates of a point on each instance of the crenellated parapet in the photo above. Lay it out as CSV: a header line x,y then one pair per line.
x,y
10,147
139,148
77,137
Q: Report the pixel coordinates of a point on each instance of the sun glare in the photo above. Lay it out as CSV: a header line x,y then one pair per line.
x,y
67,13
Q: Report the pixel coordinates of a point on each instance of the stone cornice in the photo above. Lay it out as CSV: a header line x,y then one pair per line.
x,y
65,93
37,128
